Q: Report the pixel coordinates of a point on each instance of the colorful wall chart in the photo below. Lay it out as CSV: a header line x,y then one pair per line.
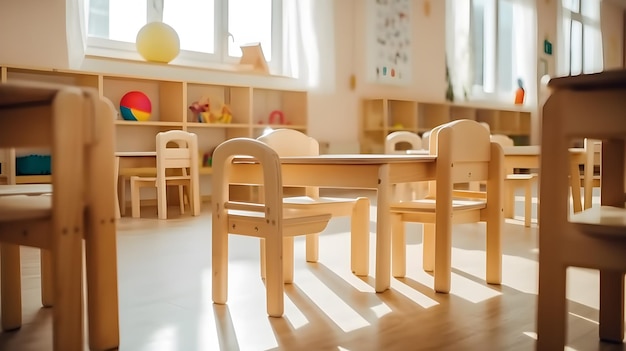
x,y
389,41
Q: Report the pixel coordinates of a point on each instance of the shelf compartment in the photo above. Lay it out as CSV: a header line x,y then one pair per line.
x,y
236,98
166,97
279,107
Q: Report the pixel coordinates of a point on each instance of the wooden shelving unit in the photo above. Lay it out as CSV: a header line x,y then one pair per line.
x,y
251,106
381,116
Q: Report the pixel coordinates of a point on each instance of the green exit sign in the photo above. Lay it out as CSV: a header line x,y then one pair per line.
x,y
547,47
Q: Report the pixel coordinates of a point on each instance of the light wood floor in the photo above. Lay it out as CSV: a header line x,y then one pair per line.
x,y
165,296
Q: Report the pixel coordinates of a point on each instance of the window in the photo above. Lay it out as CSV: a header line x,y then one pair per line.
x,y
209,30
581,37
491,46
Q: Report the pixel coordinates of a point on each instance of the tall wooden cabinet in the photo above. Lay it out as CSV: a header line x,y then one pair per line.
x,y
381,116
253,107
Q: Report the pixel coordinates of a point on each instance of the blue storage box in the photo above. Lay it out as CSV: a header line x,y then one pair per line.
x,y
33,165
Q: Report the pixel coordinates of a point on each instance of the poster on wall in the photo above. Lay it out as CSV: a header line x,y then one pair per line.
x,y
389,41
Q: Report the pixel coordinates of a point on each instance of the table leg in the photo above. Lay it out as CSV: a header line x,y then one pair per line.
x,y
383,230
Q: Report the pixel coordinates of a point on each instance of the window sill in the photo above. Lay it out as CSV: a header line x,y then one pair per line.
x,y
180,70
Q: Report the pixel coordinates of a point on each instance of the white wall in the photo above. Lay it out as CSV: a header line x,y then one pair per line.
x,y
33,33
612,14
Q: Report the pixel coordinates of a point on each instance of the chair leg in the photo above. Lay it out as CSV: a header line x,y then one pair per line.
x,y
398,246
428,247
551,308
612,306
161,200
575,186
122,195
360,237
528,202
10,286
262,255
181,199
274,281
509,198
312,247
287,260
47,287
135,199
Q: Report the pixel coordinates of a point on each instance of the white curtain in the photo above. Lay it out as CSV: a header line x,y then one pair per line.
x,y
76,33
458,48
525,47
300,42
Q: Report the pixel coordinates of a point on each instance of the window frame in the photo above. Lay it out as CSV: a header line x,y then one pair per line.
x,y
571,15
115,49
490,88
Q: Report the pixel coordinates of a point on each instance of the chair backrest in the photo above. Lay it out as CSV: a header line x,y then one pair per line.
x,y
177,149
466,145
397,142
503,140
271,178
290,142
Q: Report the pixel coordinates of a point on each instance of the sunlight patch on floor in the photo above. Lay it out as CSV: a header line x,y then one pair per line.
x,y
344,316
381,309
294,315
516,267
470,290
412,294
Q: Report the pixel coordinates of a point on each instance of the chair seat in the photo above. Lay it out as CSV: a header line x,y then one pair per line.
x,y
521,176
22,207
294,221
602,220
307,200
428,205
25,189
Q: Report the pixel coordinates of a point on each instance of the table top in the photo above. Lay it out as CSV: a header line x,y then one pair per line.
x,y
522,150
610,79
362,159
135,153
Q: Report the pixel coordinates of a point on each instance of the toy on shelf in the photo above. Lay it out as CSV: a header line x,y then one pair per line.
x,y
277,114
202,109
135,106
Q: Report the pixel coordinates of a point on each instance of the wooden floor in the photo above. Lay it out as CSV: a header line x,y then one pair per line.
x,y
165,296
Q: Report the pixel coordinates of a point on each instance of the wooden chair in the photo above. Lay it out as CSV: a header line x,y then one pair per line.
x,y
268,220
464,154
514,181
588,105
399,142
182,161
80,207
589,157
290,142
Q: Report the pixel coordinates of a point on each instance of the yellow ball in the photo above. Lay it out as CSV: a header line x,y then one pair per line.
x,y
158,42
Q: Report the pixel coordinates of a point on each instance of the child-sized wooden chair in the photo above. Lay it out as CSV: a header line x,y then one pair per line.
x,y
399,142
77,218
268,220
177,151
290,142
464,154
514,181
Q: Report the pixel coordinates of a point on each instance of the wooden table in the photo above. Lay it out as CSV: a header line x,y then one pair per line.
x,y
521,157
586,106
359,171
120,194
77,125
